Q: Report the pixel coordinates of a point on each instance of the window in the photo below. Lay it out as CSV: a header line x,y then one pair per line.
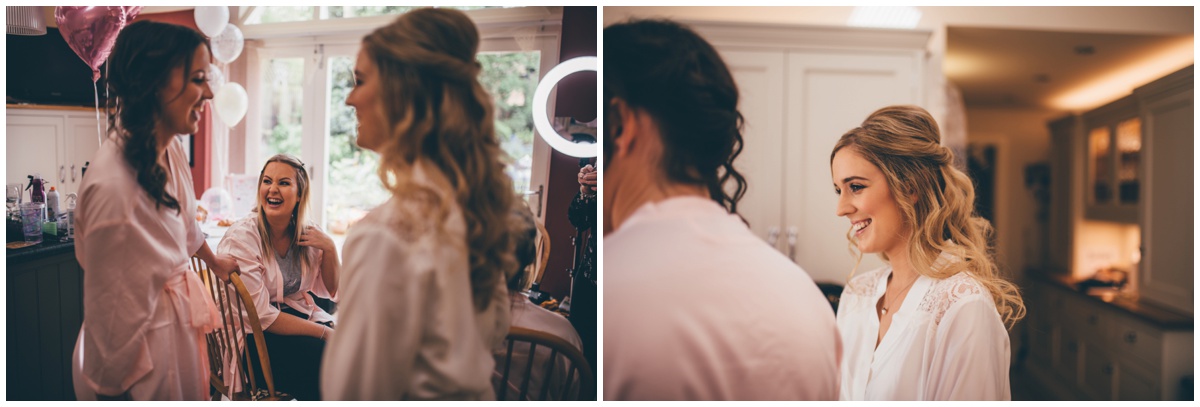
x,y
299,97
288,14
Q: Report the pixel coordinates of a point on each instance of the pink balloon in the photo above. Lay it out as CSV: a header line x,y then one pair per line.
x,y
90,31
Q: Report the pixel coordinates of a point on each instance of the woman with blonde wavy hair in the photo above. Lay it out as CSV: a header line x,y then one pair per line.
x,y
931,325
287,262
423,293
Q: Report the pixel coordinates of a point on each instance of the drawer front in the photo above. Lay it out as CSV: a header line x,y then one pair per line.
x,y
1043,339
1067,363
1139,342
1136,384
1098,373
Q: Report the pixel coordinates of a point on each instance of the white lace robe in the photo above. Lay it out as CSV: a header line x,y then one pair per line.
x,y
946,342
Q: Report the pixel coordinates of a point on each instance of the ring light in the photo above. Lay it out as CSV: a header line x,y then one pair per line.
x,y
541,121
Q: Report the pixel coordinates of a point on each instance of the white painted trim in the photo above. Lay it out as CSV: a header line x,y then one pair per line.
x,y
787,36
490,22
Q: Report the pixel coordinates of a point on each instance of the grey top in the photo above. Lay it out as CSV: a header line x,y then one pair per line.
x,y
289,266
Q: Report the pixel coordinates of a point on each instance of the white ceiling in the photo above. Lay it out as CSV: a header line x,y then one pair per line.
x,y
1024,68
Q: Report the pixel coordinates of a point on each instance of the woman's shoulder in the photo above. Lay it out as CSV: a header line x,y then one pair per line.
x,y
958,289
865,284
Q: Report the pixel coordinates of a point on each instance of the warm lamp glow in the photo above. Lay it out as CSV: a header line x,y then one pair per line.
x,y
1121,81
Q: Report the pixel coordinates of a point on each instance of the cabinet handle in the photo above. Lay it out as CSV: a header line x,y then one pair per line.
x,y
1093,319
793,235
62,175
1108,369
772,235
1131,337
72,172
1072,346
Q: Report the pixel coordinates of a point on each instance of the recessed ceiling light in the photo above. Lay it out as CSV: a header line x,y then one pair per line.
x,y
884,17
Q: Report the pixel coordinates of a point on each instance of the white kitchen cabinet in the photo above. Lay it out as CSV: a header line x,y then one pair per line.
x,y
1104,352
801,89
1167,274
55,143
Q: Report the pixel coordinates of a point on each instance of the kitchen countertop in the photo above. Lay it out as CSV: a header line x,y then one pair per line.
x,y
1148,312
50,246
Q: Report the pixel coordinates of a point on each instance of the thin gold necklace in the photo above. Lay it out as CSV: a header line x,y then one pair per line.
x,y
886,305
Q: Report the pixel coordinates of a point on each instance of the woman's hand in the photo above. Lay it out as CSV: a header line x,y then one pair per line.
x,y
587,180
223,265
313,237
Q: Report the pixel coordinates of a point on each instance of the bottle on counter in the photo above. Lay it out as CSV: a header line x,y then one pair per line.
x,y
71,201
37,191
52,205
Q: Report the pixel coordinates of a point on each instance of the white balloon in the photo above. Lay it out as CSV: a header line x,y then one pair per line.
x,y
230,103
216,78
227,46
211,20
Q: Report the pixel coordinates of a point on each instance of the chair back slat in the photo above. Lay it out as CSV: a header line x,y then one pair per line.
x,y
228,352
558,350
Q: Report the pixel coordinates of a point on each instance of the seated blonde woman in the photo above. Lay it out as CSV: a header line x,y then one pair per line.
x,y
526,314
283,266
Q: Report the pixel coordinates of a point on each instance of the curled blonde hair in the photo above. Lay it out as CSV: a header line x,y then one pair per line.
x,y
440,119
905,144
299,214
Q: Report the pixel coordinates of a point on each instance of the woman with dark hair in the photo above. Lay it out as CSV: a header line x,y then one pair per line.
x,y
285,259
931,324
696,305
145,311
423,286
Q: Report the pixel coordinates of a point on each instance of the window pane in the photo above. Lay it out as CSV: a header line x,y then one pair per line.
x,y
353,186
272,14
371,11
282,106
511,79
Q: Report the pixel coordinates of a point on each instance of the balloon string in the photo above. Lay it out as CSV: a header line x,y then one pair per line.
x,y
99,132
107,101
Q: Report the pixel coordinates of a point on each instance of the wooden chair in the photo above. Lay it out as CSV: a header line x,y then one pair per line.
x,y
555,348
228,354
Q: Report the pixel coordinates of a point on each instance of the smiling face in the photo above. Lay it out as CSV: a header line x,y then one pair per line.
x,y
278,190
184,94
365,100
877,224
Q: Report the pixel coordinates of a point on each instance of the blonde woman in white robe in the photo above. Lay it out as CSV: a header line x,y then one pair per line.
x,y
931,325
145,311
423,300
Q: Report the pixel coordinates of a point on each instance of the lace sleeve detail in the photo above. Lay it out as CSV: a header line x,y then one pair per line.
x,y
864,284
945,293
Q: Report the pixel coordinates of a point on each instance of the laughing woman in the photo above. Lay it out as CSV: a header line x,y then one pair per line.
x,y
145,311
424,300
931,324
284,260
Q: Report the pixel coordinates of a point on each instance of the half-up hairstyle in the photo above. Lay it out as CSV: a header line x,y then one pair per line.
x,y
905,144
670,72
299,213
145,54
440,119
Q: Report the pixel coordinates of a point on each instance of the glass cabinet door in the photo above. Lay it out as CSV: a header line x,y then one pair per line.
x,y
1099,184
1128,150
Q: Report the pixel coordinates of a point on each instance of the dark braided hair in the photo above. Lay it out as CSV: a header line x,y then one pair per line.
x,y
145,54
669,71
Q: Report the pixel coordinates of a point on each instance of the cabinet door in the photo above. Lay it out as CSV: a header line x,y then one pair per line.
x,y
1166,275
829,93
759,76
1133,383
83,141
1098,373
34,145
